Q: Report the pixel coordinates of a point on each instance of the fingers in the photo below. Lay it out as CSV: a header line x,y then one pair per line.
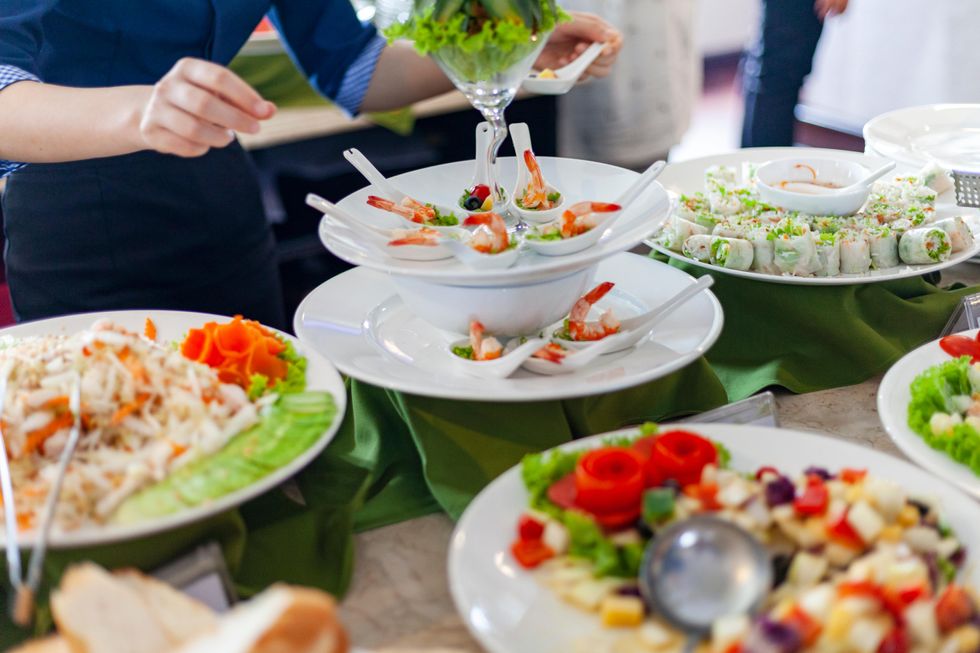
x,y
229,86
586,29
207,106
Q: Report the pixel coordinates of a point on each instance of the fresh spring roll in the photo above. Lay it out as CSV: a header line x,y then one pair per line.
x,y
960,236
924,245
763,257
727,230
794,249
689,206
855,253
698,247
726,175
883,247
731,253
936,178
679,231
706,219
828,253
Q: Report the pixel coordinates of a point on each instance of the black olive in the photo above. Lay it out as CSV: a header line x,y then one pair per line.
x,y
644,529
472,203
780,568
921,507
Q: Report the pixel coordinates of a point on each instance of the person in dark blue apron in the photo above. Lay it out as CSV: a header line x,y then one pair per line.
x,y
137,194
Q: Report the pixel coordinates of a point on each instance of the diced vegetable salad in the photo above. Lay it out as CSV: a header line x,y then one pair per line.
x,y
859,567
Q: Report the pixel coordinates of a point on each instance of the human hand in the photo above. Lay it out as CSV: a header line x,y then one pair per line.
x,y
571,39
826,8
199,105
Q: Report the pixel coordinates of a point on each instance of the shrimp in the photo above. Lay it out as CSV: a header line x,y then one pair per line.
x,y
491,236
408,208
551,352
484,349
424,237
583,216
607,324
536,193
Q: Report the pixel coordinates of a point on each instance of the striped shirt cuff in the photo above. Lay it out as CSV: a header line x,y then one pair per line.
x,y
356,80
9,75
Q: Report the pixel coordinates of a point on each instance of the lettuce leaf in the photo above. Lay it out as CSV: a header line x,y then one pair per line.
x,y
932,392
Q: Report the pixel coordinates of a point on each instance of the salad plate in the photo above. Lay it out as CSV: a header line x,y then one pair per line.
x,y
511,609
269,469
895,394
393,348
586,181
948,134
689,177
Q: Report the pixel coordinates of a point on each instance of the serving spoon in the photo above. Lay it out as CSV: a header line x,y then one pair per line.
x,y
585,240
565,77
577,358
701,569
817,189
520,134
634,329
497,368
388,190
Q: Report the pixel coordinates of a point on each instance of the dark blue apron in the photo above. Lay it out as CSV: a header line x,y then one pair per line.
x,y
141,231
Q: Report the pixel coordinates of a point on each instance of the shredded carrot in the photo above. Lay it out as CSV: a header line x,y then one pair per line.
x,y
177,449
128,409
25,521
150,329
56,403
35,439
238,349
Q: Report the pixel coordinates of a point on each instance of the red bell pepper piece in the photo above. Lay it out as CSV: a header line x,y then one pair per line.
x,y
849,475
842,532
531,553
529,528
896,641
815,498
806,626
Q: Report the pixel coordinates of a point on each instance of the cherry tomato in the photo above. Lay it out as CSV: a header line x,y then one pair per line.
x,y
481,191
957,346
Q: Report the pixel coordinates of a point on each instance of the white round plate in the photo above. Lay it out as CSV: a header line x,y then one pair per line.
x,y
948,134
579,180
688,177
172,326
392,348
894,395
509,611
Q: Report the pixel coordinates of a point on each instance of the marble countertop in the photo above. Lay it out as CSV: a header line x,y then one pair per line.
x,y
400,598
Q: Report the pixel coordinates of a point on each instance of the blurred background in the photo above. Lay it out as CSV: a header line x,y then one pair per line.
x,y
677,92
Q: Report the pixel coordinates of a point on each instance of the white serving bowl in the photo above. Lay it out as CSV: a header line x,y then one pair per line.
x,y
835,171
516,310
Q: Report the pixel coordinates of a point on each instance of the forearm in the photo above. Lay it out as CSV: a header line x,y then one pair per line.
x,y
403,77
43,123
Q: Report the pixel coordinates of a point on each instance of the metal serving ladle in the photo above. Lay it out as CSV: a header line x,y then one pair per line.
x,y
701,569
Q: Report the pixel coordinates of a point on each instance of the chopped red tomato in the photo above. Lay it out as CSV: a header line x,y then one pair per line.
x,y
841,531
897,641
531,553
529,528
562,492
954,608
706,493
806,626
814,500
849,475
957,346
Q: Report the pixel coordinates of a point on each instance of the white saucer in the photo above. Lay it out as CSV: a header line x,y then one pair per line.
x,y
359,324
580,180
687,177
946,133
894,396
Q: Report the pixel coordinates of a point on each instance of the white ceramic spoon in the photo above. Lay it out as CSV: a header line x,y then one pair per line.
x,y
566,76
577,358
480,261
634,329
378,238
816,189
575,244
498,368
521,137
388,191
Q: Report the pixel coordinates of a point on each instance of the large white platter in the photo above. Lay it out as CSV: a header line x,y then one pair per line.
x,y
509,611
946,133
579,180
172,326
688,177
357,321
894,396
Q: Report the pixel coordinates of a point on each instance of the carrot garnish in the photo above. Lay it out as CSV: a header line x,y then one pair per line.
x,y
35,439
238,349
150,329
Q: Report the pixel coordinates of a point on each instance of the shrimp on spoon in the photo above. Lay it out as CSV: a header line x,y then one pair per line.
x,y
607,324
584,216
491,236
408,208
